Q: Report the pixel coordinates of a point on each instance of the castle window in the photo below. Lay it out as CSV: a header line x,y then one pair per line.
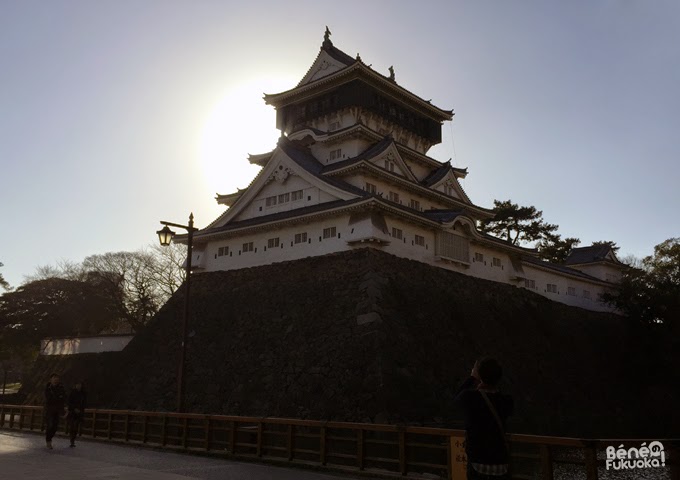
x,y
414,204
329,232
301,237
571,291
394,197
370,188
586,294
496,262
448,190
453,246
479,257
270,201
284,197
248,247
222,251
420,241
530,283
397,233
336,154
296,195
273,242
389,166
552,288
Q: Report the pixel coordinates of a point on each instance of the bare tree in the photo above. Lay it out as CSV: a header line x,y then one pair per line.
x,y
169,271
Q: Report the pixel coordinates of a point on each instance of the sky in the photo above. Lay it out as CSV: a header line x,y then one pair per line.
x,y
115,115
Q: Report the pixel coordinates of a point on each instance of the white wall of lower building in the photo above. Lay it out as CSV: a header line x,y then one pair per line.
x,y
76,345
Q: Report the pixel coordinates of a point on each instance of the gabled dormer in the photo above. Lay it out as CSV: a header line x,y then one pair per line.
x,y
328,61
445,180
597,260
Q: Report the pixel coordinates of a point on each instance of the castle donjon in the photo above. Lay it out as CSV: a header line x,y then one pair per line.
x,y
351,171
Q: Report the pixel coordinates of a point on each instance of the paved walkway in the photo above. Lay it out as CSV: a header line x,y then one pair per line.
x,y
24,456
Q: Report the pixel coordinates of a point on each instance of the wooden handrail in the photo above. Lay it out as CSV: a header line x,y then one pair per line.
x,y
409,451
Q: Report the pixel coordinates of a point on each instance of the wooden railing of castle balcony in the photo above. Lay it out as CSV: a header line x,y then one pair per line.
x,y
378,450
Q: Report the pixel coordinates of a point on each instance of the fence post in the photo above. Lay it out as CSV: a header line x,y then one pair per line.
x,y
21,418
185,432
591,460
30,418
360,449
164,430
673,460
11,418
2,416
94,423
402,452
233,437
127,425
322,445
546,463
207,433
145,423
259,439
449,459
291,442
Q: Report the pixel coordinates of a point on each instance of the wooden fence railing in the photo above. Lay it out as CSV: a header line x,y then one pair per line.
x,y
415,452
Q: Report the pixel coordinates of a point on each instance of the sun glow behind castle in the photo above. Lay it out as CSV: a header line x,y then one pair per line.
x,y
240,123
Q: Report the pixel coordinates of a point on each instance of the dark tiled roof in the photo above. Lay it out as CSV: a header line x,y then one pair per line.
x,y
337,54
443,216
559,268
369,153
594,253
306,160
440,173
280,216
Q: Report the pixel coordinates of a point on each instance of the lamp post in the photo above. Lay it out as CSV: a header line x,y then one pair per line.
x,y
165,236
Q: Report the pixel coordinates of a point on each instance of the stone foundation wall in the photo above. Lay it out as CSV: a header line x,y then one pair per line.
x,y
365,336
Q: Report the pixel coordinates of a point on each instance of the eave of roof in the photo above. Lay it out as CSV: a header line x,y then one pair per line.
x,y
321,136
441,172
363,163
229,198
563,269
260,159
357,70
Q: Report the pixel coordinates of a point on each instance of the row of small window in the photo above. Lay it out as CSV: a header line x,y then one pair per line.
x,y
495,262
393,197
329,232
552,288
399,235
283,198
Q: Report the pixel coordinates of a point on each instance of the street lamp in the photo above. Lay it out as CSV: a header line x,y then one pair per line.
x,y
165,235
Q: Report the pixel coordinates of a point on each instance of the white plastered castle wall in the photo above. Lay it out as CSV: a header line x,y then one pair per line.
x,y
287,249
405,247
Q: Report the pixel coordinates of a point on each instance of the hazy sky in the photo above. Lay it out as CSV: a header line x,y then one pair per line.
x,y
117,114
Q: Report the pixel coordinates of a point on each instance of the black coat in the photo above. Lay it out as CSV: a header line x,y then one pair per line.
x,y
55,396
76,400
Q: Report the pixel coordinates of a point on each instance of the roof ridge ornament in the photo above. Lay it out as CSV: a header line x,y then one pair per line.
x,y
391,69
326,38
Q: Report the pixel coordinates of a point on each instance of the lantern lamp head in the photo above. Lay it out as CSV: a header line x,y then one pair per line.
x,y
165,236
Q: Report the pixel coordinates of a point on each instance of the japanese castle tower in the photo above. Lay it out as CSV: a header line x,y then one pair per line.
x,y
351,170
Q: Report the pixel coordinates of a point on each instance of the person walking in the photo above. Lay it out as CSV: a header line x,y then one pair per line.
x,y
485,410
55,396
76,409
